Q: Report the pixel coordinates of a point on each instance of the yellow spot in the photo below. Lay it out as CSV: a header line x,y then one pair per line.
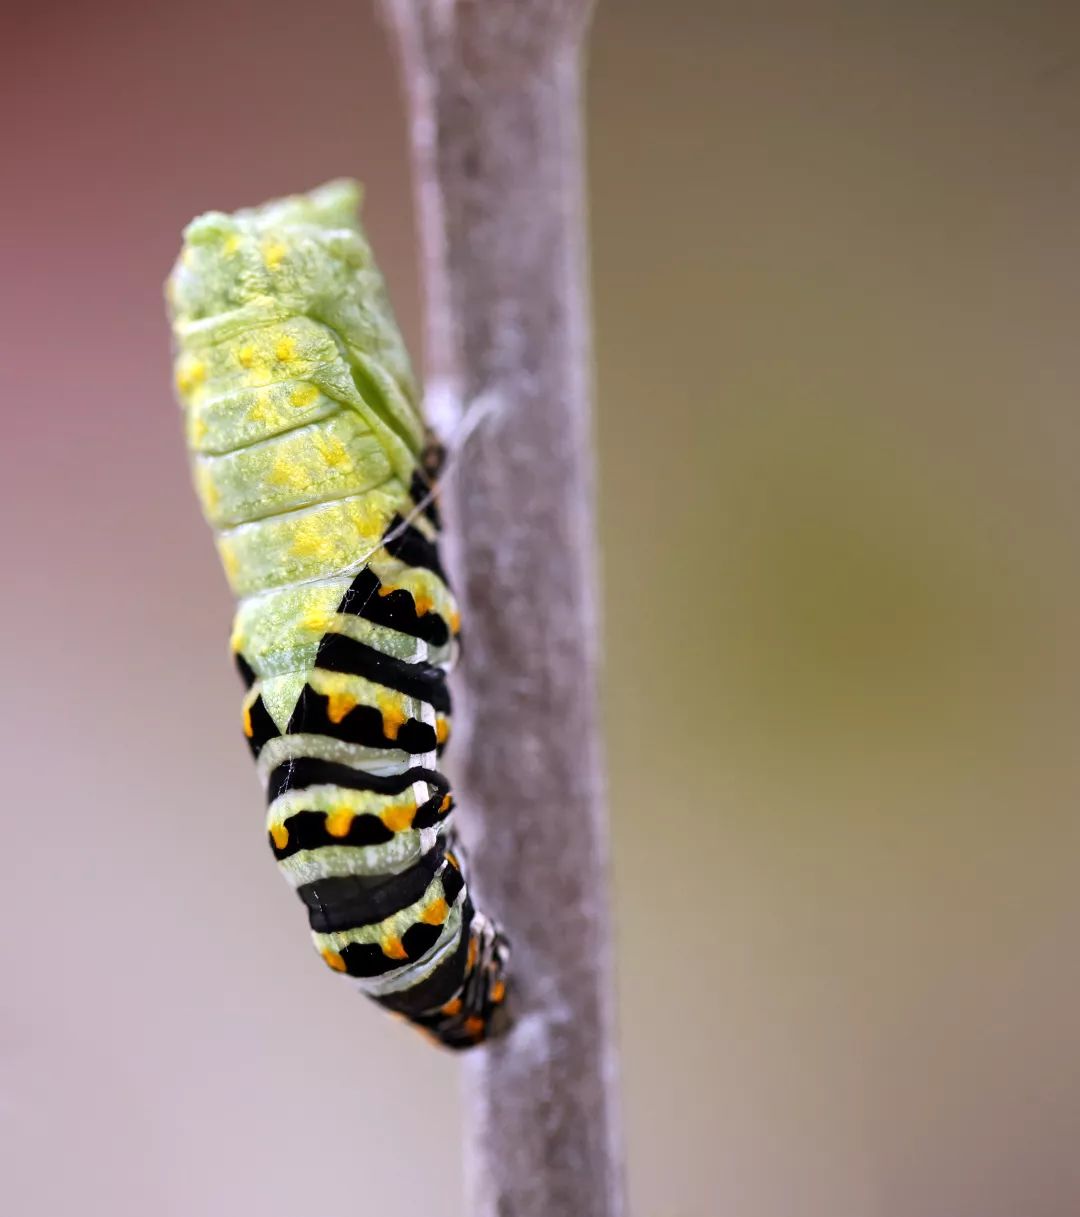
x,y
280,835
285,349
339,822
288,473
455,622
333,959
338,705
452,1007
442,729
311,540
304,396
273,252
316,621
208,491
246,355
451,858
249,730
333,452
196,430
398,817
236,641
436,912
229,560
232,244
498,991
394,717
190,373
394,948
368,517
474,1026
259,411
444,807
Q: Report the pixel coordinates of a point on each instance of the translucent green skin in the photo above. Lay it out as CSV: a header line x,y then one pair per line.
x,y
306,441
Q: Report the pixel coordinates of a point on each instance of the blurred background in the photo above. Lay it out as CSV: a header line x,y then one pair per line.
x,y
835,256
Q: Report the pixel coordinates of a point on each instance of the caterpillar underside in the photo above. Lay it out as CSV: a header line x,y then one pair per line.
x,y
313,467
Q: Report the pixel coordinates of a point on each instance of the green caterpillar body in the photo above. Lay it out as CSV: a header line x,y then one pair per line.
x,y
311,462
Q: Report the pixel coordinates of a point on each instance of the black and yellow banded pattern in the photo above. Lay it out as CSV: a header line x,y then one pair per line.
x,y
314,469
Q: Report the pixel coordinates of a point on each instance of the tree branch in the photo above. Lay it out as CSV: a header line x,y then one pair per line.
x,y
495,104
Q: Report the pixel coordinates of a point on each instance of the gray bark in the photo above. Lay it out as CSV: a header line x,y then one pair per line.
x,y
494,90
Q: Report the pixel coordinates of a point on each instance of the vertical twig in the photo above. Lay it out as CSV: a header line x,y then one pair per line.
x,y
494,89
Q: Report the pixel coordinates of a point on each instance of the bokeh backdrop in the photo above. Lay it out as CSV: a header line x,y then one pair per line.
x,y
835,256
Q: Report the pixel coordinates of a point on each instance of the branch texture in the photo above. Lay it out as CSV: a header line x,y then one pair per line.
x,y
494,92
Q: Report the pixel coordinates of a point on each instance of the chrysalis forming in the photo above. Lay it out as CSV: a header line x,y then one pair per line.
x,y
314,470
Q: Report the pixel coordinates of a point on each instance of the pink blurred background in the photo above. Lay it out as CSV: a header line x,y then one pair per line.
x,y
836,291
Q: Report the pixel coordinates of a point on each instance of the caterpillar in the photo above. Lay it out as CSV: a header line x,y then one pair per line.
x,y
314,469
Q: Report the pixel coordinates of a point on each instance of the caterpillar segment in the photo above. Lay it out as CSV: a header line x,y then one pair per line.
x,y
313,467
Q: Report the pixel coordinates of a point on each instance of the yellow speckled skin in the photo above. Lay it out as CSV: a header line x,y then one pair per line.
x,y
296,386
306,445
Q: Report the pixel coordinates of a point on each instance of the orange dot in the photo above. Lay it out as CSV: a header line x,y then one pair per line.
x,y
436,912
333,960
444,807
498,991
470,963
442,729
452,1007
423,605
249,730
394,718
399,817
338,705
455,622
339,822
474,1026
386,589
280,835
394,948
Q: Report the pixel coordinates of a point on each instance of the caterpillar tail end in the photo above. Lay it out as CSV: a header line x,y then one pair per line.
x,y
482,1014
476,1012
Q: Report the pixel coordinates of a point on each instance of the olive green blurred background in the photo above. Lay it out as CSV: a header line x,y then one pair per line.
x,y
835,258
